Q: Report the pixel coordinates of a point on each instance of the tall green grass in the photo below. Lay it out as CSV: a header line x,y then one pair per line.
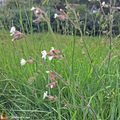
x,y
85,96
92,86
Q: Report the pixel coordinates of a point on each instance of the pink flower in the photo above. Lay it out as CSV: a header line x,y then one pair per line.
x,y
62,16
15,34
37,11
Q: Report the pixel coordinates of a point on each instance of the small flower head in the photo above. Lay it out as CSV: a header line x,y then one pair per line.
x,y
52,76
61,10
33,8
30,61
52,48
12,30
103,3
45,94
44,54
50,57
47,71
23,62
52,84
55,15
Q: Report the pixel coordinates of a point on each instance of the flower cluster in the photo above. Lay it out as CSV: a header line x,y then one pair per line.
x,y
23,61
52,54
62,16
15,34
39,13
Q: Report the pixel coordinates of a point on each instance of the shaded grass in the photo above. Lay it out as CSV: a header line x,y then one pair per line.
x,y
86,96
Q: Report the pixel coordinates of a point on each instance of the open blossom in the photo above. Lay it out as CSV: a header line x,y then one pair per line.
x,y
23,62
39,13
12,31
62,16
45,94
49,97
15,34
52,54
44,54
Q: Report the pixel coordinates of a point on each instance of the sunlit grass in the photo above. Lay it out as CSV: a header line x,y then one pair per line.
x,y
91,90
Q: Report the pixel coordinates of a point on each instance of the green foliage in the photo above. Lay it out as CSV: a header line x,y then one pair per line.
x,y
100,90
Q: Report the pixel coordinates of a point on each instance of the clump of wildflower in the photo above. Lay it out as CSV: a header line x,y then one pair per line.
x,y
23,61
39,13
15,34
44,54
52,54
49,97
62,16
52,75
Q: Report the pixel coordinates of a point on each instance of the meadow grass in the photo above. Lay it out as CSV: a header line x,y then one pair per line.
x,y
91,92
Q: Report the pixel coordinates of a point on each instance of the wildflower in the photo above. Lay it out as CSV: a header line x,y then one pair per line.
x,y
30,61
103,3
45,94
53,53
50,57
15,34
37,11
62,16
23,62
44,54
12,31
49,97
55,15
52,75
52,84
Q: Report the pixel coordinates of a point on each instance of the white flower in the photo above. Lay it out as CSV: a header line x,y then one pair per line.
x,y
50,57
37,11
61,9
33,8
52,48
12,30
45,94
47,71
55,15
103,3
44,54
23,62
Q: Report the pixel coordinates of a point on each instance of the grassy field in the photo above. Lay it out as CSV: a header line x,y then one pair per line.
x,y
85,91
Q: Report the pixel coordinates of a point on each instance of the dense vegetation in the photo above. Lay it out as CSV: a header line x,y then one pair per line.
x,y
84,69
